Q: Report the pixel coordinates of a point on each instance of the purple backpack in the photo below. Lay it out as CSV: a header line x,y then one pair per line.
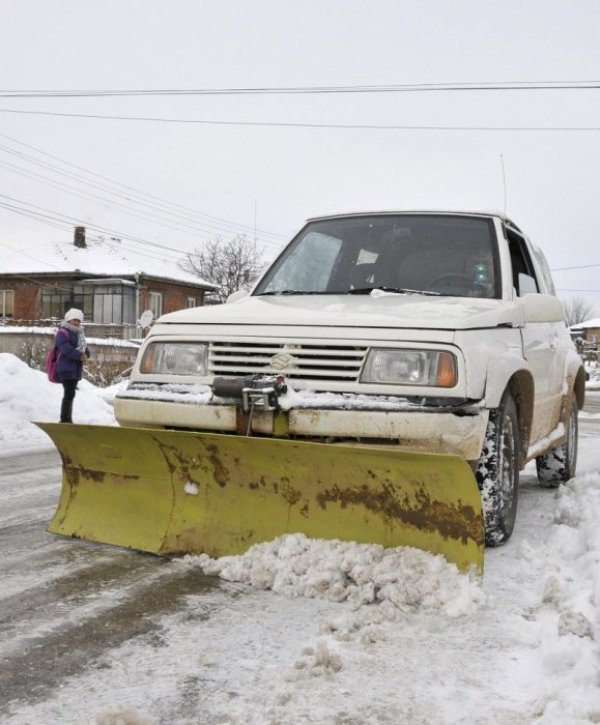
x,y
51,362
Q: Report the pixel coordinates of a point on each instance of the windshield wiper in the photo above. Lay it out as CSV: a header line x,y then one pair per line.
x,y
397,290
295,292
357,291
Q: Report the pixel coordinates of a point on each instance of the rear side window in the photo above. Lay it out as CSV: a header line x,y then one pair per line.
x,y
545,270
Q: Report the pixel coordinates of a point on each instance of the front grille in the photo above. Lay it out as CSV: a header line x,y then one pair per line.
x,y
306,362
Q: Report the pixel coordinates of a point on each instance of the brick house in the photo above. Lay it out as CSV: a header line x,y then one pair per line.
x,y
590,331
113,285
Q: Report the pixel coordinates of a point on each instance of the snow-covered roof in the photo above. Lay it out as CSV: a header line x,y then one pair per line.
x,y
101,256
588,323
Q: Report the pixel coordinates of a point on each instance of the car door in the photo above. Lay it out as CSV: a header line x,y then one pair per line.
x,y
541,315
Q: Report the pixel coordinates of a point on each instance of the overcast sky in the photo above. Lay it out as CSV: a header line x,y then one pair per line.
x,y
176,184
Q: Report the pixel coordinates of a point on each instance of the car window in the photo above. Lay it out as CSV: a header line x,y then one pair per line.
x,y
441,254
308,266
524,277
545,269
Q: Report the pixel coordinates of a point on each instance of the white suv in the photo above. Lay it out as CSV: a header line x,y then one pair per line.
x,y
425,331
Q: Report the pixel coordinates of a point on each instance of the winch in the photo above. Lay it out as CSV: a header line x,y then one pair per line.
x,y
256,391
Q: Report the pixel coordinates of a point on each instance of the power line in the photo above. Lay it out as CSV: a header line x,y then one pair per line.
x,y
308,90
566,289
144,199
147,208
581,266
283,124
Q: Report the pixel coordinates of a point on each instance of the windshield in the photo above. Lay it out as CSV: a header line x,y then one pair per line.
x,y
436,254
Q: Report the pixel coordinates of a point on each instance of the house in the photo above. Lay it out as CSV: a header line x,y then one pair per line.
x,y
118,289
589,331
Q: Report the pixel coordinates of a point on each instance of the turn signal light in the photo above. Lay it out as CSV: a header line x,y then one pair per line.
x,y
446,370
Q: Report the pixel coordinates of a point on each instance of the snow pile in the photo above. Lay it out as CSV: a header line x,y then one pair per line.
x,y
378,587
399,579
593,369
569,615
27,395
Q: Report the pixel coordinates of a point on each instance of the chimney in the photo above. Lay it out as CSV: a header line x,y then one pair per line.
x,y
79,238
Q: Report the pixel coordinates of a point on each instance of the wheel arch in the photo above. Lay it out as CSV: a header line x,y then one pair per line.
x,y
576,378
522,388
512,374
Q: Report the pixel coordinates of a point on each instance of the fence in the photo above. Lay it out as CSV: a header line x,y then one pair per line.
x,y
92,329
110,358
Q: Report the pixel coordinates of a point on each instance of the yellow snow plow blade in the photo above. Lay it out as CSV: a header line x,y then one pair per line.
x,y
172,492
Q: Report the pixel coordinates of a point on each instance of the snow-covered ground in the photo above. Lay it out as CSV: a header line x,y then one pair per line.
x,y
332,632
593,370
27,395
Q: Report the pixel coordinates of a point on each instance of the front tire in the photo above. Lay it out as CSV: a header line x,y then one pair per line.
x,y
497,472
559,465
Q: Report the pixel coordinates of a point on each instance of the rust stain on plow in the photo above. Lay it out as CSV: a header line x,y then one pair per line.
x,y
74,474
456,522
221,473
256,485
289,494
178,463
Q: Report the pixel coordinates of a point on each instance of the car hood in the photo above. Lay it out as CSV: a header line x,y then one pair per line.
x,y
377,310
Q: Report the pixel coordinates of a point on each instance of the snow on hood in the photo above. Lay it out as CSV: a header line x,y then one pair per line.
x,y
375,310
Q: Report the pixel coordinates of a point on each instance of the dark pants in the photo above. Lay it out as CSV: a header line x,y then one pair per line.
x,y
66,408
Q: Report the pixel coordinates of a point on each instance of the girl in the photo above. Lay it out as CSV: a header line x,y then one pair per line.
x,y
73,354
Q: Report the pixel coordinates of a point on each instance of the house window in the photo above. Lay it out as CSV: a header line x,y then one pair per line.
x,y
55,302
190,301
7,303
102,301
155,303
113,304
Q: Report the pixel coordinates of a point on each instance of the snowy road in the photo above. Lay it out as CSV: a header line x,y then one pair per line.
x,y
65,602
88,629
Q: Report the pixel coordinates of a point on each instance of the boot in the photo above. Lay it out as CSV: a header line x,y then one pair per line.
x,y
66,411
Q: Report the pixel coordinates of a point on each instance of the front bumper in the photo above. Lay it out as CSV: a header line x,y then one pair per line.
x,y
459,430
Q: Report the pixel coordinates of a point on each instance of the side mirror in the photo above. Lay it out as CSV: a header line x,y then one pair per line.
x,y
542,308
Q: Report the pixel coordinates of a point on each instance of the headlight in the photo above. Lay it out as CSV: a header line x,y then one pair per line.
x,y
175,358
410,367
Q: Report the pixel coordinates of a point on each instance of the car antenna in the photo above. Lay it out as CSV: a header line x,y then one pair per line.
x,y
503,180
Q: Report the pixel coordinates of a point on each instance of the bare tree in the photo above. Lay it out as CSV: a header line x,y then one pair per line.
x,y
577,309
231,264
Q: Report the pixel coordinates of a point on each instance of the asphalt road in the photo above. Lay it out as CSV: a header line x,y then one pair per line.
x,y
64,602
